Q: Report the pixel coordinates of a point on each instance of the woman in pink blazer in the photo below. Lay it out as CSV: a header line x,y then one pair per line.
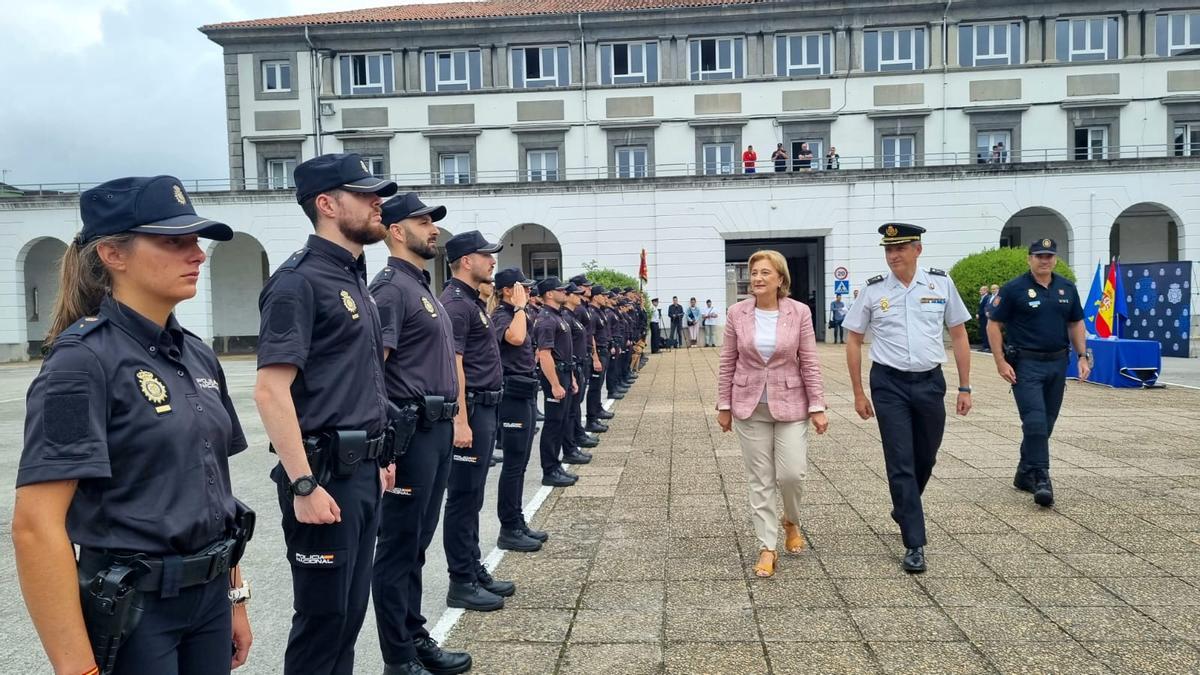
x,y
769,388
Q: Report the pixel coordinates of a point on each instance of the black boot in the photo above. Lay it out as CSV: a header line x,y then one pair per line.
x,y
439,661
914,560
501,588
1023,480
595,427
413,667
558,478
517,540
472,596
534,534
576,457
605,415
586,441
1043,490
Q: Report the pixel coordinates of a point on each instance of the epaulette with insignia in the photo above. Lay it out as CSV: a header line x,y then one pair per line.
x,y
81,327
935,271
384,276
293,261
875,279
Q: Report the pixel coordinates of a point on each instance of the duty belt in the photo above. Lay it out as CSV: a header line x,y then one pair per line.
x,y
1041,356
374,448
909,375
485,397
193,570
433,410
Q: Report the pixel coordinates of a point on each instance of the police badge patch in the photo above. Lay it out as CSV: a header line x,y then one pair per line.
x,y
155,391
351,306
428,307
483,317
179,196
1032,293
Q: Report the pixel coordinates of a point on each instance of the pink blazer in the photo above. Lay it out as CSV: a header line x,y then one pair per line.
x,y
792,377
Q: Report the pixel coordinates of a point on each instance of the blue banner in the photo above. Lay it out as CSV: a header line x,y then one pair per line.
x,y
1158,296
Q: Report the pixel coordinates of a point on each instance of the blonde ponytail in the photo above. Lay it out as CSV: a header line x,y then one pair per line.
x,y
83,282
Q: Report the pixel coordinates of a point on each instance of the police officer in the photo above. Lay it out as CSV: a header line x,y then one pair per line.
x,y
576,437
589,363
420,374
479,388
320,393
128,432
602,337
517,408
1040,315
616,346
906,310
553,339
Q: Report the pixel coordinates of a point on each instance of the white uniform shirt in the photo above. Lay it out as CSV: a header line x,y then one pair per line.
x,y
906,323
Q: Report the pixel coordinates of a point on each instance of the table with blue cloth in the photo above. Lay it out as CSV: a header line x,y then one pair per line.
x,y
1120,362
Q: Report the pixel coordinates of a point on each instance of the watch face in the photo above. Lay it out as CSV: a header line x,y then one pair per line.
x,y
304,486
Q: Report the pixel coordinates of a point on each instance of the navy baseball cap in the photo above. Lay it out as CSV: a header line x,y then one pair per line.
x,y
581,280
338,171
550,284
573,289
409,205
1043,246
467,243
597,289
155,205
512,276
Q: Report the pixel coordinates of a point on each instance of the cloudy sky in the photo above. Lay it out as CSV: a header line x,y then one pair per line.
x,y
95,89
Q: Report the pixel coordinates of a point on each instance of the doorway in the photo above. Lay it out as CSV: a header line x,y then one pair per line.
x,y
806,263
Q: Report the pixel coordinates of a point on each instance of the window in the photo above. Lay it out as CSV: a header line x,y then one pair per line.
x,y
543,164
367,73
898,151
631,161
1187,139
277,76
716,58
455,168
815,148
544,264
1178,34
628,62
990,44
1091,143
540,67
894,49
718,158
375,165
279,174
1094,38
993,147
453,70
800,55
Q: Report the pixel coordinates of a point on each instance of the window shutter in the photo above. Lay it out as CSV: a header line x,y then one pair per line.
x,y
344,62
918,48
1114,44
739,58
606,64
430,71
871,51
1062,40
389,74
563,66
826,53
694,65
518,67
475,68
652,62
781,64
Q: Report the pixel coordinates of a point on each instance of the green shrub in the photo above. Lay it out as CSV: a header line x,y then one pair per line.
x,y
609,278
993,266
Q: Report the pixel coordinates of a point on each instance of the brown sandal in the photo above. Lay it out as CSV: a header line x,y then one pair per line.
x,y
794,541
765,570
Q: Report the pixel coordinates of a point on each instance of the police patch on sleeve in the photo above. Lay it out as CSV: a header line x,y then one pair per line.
x,y
154,391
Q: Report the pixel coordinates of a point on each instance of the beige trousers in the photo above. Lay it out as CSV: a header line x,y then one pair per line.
x,y
775,453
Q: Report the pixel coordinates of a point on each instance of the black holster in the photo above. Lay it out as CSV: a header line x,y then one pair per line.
x,y
1012,355
402,426
112,608
243,530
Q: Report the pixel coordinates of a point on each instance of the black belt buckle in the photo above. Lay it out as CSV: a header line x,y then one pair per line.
x,y
219,555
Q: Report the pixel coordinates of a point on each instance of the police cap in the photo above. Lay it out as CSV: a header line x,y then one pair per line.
x,y
900,233
512,276
550,284
467,243
409,205
599,290
338,171
574,289
581,280
156,205
1043,246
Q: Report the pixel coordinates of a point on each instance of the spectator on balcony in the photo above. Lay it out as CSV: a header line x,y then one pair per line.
x,y
833,161
781,157
803,160
749,159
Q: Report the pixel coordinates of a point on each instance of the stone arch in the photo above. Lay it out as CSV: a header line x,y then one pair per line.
x,y
533,248
237,270
1034,222
38,264
1146,232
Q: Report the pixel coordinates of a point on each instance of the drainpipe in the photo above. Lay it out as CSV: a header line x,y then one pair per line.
x,y
314,81
583,90
945,71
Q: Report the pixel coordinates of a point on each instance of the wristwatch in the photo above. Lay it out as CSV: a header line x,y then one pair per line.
x,y
303,486
964,390
241,594
519,309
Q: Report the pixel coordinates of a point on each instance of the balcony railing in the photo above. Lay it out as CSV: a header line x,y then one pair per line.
x,y
763,169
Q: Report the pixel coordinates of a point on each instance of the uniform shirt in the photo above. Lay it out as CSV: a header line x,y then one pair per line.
x,y
602,330
614,325
906,322
514,359
552,332
473,336
141,417
317,314
1035,317
416,327
579,345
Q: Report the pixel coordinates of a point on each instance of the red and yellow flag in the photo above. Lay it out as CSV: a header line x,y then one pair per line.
x,y
1108,300
643,270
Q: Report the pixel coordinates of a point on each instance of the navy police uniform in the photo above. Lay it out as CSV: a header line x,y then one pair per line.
x,y
140,415
420,372
317,315
1035,319
574,435
907,385
603,337
552,333
475,341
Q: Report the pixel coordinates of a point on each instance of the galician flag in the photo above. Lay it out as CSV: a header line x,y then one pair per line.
x,y
1092,307
1112,304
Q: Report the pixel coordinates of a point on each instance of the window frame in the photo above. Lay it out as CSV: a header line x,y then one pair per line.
x,y
983,154
1087,150
1188,19
896,160
788,67
541,174
718,73
543,257
1008,58
631,168
458,176
366,56
278,65
718,167
272,180
464,81
612,66
542,50
375,161
1076,54
912,54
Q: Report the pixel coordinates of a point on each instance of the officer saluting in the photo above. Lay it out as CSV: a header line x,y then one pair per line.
x,y
553,340
1040,315
479,391
906,311
320,393
422,382
128,433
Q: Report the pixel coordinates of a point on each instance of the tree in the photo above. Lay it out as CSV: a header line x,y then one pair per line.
x,y
993,266
609,278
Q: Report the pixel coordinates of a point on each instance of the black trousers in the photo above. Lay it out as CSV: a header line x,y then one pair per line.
x,y
1039,395
410,516
676,335
911,411
517,420
464,495
331,573
579,399
550,443
613,378
595,382
655,338
189,634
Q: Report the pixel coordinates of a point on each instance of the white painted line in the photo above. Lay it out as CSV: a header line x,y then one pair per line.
x,y
608,404
13,400
493,558
1171,384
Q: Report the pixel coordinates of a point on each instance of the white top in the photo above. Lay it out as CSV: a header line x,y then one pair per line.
x,y
907,321
765,323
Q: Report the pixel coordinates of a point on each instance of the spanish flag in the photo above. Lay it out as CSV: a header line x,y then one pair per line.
x,y
643,270
1112,304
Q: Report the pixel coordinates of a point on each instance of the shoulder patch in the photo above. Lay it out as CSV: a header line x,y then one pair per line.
x,y
936,272
875,279
385,275
81,327
293,261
